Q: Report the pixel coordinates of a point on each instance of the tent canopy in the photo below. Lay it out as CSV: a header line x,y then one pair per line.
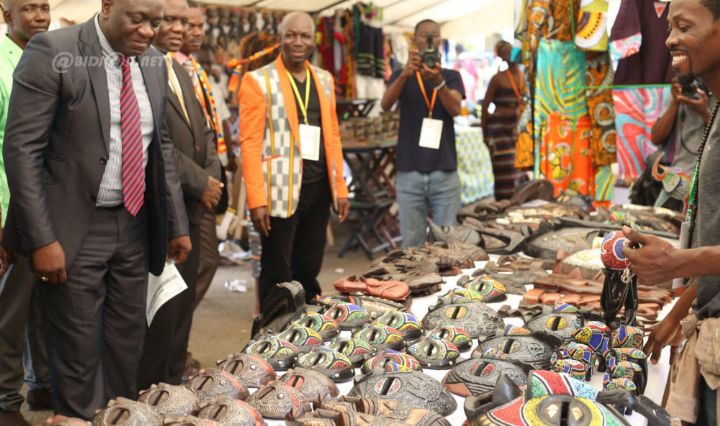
x,y
486,16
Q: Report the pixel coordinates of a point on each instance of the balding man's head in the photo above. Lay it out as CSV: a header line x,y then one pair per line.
x,y
130,25
297,38
25,18
295,18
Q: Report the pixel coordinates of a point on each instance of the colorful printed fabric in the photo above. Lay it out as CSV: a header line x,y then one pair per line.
x,y
625,47
474,166
501,136
642,22
591,28
538,15
564,156
599,78
203,92
636,110
562,11
524,147
563,96
604,186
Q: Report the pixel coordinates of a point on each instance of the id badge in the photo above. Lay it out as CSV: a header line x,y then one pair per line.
x,y
684,244
431,133
310,142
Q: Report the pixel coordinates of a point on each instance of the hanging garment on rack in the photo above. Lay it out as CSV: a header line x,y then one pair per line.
x,y
370,53
600,108
591,27
474,166
324,40
636,110
604,186
538,15
348,32
564,155
561,28
638,39
564,96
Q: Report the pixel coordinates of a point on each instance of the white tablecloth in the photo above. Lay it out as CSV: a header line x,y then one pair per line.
x,y
655,384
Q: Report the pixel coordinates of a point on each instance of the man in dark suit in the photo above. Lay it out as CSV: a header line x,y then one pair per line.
x,y
95,200
166,341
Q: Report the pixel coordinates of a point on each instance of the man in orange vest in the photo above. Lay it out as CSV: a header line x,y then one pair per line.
x,y
292,159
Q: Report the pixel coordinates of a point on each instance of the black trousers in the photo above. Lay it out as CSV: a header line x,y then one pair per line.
x,y
166,340
296,245
209,256
95,322
20,333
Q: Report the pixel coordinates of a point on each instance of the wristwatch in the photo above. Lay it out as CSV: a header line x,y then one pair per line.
x,y
440,86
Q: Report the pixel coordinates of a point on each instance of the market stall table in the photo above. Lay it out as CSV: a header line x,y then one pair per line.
x,y
655,383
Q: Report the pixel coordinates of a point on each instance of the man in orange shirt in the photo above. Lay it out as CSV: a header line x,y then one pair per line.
x,y
292,159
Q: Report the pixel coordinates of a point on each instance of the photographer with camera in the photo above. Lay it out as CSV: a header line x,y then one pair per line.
x,y
429,97
681,126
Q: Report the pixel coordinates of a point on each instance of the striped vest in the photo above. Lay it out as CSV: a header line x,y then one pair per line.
x,y
282,161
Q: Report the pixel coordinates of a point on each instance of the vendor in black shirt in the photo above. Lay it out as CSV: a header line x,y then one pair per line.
x,y
427,178
313,171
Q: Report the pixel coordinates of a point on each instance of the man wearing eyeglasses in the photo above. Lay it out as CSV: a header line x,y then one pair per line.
x,y
96,202
166,341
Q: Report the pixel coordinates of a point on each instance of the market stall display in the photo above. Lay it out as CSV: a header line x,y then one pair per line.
x,y
451,346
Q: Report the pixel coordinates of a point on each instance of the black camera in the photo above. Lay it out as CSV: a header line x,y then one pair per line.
x,y
431,55
689,86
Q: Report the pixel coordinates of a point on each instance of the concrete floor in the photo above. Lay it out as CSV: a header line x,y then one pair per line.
x,y
223,320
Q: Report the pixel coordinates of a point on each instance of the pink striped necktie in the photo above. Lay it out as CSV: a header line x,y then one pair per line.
x,y
133,175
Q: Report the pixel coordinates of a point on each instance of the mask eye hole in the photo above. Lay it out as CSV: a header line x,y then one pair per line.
x,y
386,386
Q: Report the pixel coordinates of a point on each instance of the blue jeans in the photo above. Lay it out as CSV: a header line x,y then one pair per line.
x,y
419,193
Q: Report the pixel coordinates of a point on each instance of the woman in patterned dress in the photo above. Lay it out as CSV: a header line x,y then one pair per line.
x,y
500,127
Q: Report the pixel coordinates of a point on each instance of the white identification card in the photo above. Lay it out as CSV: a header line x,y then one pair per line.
x,y
310,142
431,133
163,288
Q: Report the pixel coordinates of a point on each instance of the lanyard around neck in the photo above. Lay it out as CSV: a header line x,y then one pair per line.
x,y
692,208
430,103
303,106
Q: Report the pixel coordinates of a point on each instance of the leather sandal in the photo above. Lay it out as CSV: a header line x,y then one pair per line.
x,y
393,290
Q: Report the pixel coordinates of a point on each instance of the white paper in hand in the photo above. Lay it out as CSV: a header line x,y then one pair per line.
x,y
431,133
163,288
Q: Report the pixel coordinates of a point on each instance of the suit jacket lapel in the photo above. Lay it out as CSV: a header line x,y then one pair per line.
x,y
289,98
175,102
89,46
324,118
196,123
150,65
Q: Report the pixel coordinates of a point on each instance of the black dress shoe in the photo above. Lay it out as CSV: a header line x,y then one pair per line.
x,y
39,399
12,418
